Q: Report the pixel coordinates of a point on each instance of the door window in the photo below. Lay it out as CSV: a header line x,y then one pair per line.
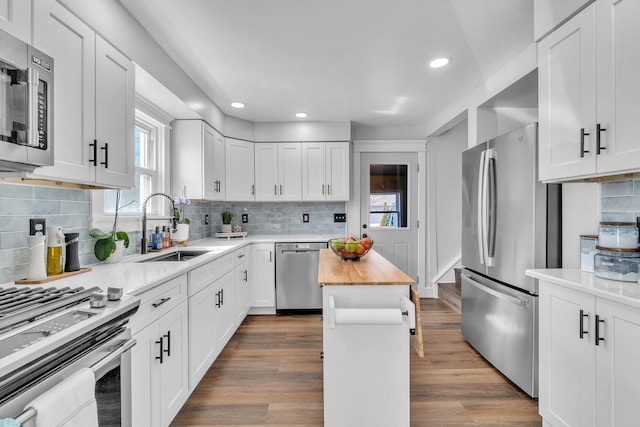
x,y
388,196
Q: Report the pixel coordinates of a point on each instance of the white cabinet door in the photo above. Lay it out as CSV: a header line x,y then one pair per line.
x,y
219,165
567,361
241,284
290,171
266,167
567,99
94,102
618,68
174,384
617,367
262,278
224,322
71,43
145,391
210,180
239,170
202,346
337,170
314,171
15,18
115,117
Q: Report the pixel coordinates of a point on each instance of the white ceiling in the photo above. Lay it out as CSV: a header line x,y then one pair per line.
x,y
364,61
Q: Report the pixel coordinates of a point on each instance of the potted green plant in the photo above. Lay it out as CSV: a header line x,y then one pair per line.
x,y
110,245
226,221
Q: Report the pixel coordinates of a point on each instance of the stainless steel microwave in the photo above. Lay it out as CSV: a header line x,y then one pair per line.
x,y
26,106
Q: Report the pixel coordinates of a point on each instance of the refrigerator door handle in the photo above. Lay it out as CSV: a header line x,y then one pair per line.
x,y
491,208
497,294
481,207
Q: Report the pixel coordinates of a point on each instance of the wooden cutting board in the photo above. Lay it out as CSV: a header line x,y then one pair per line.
x,y
51,278
418,344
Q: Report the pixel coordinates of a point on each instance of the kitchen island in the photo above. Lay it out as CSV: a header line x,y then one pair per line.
x,y
367,320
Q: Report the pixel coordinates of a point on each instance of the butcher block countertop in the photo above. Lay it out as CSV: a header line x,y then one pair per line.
x,y
372,269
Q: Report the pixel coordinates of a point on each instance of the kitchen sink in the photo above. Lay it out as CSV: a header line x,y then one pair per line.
x,y
179,255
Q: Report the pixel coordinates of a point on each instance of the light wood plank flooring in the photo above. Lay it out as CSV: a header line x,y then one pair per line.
x,y
270,374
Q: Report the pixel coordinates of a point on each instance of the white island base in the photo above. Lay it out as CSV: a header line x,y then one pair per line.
x,y
366,356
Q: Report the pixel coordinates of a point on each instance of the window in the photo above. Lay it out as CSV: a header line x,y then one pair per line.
x,y
151,145
387,196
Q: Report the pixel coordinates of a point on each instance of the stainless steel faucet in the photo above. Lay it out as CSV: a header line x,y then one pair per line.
x,y
143,249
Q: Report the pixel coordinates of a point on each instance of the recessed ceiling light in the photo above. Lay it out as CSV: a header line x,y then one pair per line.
x,y
237,105
302,115
439,62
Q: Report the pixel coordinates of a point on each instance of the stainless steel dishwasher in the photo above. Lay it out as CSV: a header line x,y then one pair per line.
x,y
297,287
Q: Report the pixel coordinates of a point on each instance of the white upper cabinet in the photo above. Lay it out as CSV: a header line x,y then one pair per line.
x,y
325,171
588,91
15,18
548,14
618,87
94,102
239,170
278,171
197,160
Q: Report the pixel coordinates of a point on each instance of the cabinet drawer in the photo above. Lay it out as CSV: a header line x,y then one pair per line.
x,y
240,255
159,301
202,276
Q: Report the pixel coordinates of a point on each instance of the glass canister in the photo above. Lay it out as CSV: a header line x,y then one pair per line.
x,y
620,264
618,235
588,251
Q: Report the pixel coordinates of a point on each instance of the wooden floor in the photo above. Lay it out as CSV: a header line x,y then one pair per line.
x,y
270,373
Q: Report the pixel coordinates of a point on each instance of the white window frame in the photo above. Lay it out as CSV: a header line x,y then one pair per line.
x,y
158,121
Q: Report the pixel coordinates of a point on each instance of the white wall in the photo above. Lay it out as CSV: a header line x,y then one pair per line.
x,y
493,122
239,128
444,201
580,215
302,131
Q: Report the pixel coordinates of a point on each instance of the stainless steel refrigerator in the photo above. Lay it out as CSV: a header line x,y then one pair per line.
x,y
510,222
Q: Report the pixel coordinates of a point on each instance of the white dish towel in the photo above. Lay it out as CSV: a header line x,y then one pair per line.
x,y
72,403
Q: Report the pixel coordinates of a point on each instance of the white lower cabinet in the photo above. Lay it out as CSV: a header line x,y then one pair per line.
x,y
589,352
262,278
207,326
241,285
159,377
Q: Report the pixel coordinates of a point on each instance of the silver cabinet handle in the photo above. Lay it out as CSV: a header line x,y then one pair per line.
x,y
495,293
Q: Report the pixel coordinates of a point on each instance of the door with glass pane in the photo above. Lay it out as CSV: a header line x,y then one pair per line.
x,y
389,206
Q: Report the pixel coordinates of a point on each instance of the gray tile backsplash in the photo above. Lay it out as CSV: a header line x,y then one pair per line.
x,y
71,209
620,200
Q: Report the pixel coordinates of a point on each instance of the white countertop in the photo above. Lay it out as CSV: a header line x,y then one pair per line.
x,y
137,277
622,292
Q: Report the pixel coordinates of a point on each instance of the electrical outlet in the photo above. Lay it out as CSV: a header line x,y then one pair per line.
x,y
245,218
339,217
37,226
206,219
305,217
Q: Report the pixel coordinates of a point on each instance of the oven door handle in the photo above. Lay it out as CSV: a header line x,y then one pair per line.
x,y
103,366
495,293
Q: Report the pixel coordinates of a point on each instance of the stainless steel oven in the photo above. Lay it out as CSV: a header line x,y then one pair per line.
x,y
26,104
40,352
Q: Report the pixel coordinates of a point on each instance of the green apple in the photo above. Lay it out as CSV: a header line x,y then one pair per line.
x,y
337,245
351,246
